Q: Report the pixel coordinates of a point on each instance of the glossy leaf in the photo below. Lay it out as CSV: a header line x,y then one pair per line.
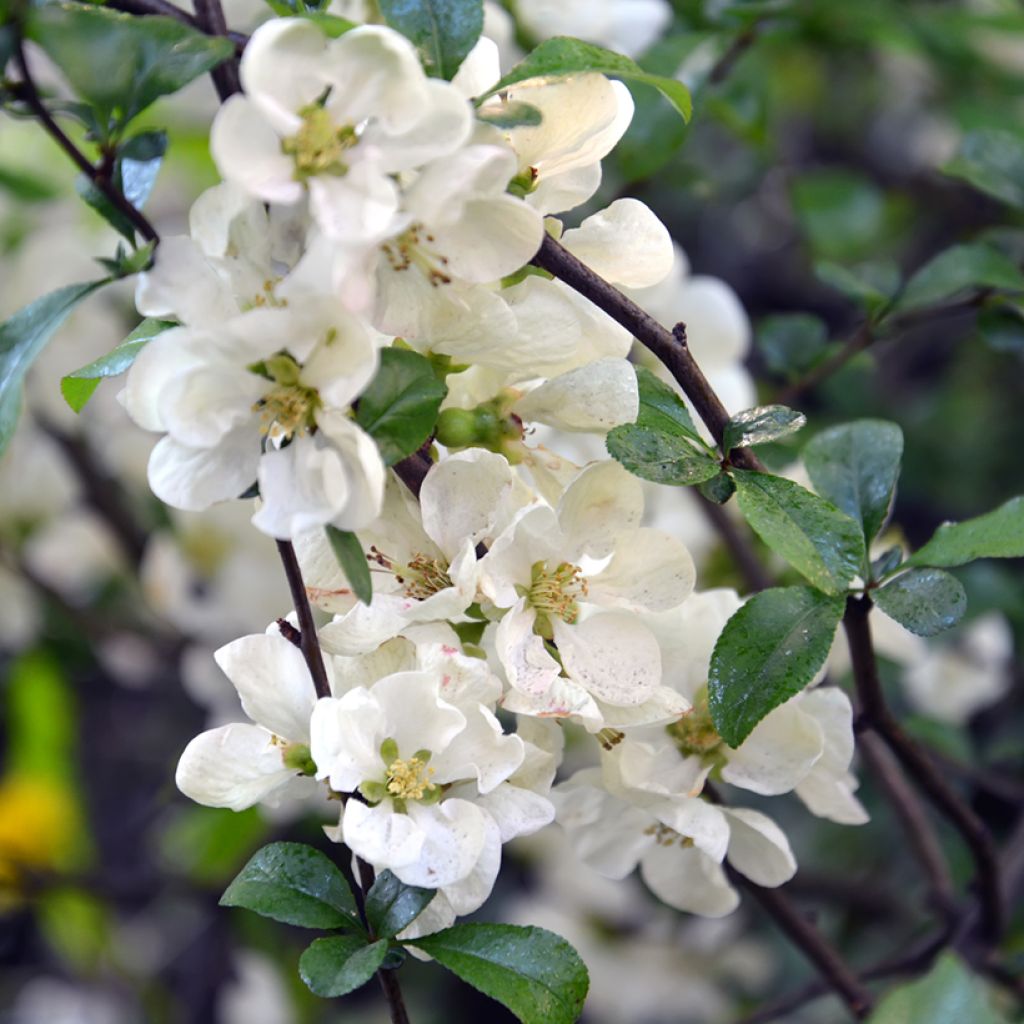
x,y
661,408
662,458
23,337
340,964
391,905
950,993
121,63
534,973
856,466
296,884
997,534
78,387
565,56
791,343
769,651
820,542
925,601
991,160
960,269
352,559
886,562
718,489
760,425
444,31
399,408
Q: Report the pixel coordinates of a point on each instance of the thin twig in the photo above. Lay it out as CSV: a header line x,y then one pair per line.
x,y
724,65
163,9
225,76
307,627
737,540
875,714
30,94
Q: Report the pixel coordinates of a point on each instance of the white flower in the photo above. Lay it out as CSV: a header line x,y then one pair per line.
x,y
262,397
239,765
577,578
425,766
626,26
336,118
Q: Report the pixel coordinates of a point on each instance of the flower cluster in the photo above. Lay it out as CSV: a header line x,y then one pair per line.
x,y
520,598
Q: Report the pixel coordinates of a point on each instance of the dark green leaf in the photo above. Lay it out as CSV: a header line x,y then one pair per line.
x,y
957,270
340,964
77,387
791,343
511,115
820,542
331,25
1001,326
925,601
294,883
992,161
856,466
391,905
23,337
121,63
718,489
663,458
760,425
843,213
661,408
399,408
871,284
564,56
768,652
948,994
444,31
139,162
534,973
886,562
997,534
98,200
352,559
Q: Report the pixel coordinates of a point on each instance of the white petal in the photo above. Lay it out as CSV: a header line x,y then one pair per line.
x,y
698,820
363,466
592,398
687,879
602,502
196,478
171,353
345,737
758,848
234,766
281,67
417,718
481,752
470,893
527,664
625,244
358,208
649,570
455,835
380,836
518,811
183,284
272,679
613,655
778,754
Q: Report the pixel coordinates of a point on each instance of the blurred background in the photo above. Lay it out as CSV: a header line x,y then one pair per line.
x,y
835,149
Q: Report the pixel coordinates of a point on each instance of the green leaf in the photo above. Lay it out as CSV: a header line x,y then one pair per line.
x,y
565,56
340,964
663,458
925,601
23,337
856,466
959,269
399,408
534,973
820,542
511,115
997,534
391,905
121,63
718,489
352,559
791,343
768,652
842,213
296,884
444,31
871,284
331,25
948,994
993,161
77,387
886,562
761,424
661,408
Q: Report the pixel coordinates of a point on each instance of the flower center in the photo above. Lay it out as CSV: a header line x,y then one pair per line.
x,y
404,779
412,248
665,836
319,144
420,578
290,407
695,732
555,593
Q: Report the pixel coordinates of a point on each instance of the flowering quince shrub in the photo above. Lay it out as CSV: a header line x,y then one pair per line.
x,y
371,320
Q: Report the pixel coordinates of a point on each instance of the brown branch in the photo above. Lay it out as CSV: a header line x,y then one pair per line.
x,y
737,541
876,715
307,627
225,76
163,9
723,67
387,978
102,181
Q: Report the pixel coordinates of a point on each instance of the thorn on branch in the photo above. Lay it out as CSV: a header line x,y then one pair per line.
x,y
290,633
